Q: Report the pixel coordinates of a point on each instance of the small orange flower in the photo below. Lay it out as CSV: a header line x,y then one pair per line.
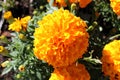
x,y
111,60
72,72
61,38
115,4
24,22
7,15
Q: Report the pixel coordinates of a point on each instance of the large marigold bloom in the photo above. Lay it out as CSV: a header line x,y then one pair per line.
x,y
115,4
61,38
16,25
72,72
7,15
111,60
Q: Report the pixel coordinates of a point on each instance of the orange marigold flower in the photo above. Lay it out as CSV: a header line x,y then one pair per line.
x,y
16,25
115,4
24,21
61,38
111,60
7,15
72,72
62,3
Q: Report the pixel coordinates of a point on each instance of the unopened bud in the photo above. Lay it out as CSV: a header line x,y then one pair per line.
x,y
73,6
4,64
21,36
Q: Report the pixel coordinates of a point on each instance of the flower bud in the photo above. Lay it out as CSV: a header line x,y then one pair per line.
x,y
4,64
22,36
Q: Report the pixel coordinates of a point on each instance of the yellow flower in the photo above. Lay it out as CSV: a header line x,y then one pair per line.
x,y
61,38
7,15
72,72
115,4
4,64
111,60
24,22
1,48
16,25
21,68
19,24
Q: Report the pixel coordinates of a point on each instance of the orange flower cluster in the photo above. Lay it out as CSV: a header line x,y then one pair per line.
x,y
111,60
61,38
19,24
7,15
72,72
115,4
82,3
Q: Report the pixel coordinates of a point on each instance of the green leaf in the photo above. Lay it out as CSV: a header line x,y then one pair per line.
x,y
1,9
14,53
6,70
39,76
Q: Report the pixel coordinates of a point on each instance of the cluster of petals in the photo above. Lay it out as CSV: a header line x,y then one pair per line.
x,y
115,4
72,72
7,15
63,3
19,24
61,38
111,60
